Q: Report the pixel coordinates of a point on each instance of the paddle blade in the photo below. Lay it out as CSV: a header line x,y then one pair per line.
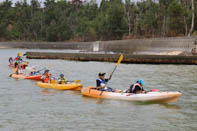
x,y
155,90
77,81
20,53
14,69
120,59
54,81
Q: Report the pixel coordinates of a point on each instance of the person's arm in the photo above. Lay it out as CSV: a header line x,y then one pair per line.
x,y
110,77
139,90
98,83
106,80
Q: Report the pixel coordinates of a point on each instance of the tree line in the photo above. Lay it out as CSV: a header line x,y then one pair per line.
x,y
87,21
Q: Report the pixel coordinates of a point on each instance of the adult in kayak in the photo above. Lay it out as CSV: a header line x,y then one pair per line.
x,y
137,88
46,76
101,82
62,79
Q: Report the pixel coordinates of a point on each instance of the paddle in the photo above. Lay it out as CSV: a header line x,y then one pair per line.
x,y
20,53
154,90
76,81
56,82
119,61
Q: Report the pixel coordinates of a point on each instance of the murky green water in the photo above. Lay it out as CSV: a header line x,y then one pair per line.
x,y
24,106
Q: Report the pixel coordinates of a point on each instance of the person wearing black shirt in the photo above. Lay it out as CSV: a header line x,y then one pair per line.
x,y
137,88
101,82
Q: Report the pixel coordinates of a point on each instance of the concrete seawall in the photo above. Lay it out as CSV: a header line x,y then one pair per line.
x,y
128,58
48,45
134,46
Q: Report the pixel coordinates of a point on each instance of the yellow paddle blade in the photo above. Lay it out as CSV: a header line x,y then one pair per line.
x,y
120,59
20,53
14,69
54,81
77,81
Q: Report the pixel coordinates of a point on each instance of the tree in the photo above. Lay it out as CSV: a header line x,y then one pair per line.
x,y
175,12
193,18
116,24
131,12
5,18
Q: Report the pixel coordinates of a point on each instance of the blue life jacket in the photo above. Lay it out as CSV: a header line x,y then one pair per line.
x,y
99,82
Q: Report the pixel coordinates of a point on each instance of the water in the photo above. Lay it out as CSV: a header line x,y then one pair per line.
x,y
24,106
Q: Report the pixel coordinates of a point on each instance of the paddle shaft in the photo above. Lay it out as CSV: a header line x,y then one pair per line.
x,y
113,71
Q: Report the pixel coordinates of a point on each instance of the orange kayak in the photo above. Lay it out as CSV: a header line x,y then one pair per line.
x,y
26,76
18,76
163,97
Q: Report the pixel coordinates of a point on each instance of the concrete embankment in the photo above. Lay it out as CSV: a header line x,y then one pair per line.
x,y
128,58
133,46
48,45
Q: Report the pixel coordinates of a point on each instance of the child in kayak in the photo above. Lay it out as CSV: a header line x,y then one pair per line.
x,y
34,72
11,61
46,76
101,82
17,68
19,58
23,66
62,79
137,88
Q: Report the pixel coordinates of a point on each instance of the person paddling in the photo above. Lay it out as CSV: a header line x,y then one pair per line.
x,y
19,58
101,82
137,88
34,72
62,79
11,61
17,68
46,76
23,66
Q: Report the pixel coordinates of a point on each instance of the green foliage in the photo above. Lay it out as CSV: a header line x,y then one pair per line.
x,y
175,12
61,20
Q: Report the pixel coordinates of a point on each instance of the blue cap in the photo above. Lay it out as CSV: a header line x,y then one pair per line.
x,y
141,82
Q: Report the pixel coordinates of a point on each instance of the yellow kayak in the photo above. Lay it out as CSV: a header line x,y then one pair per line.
x,y
68,86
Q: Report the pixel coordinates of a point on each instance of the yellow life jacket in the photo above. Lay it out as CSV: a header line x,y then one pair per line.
x,y
63,80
